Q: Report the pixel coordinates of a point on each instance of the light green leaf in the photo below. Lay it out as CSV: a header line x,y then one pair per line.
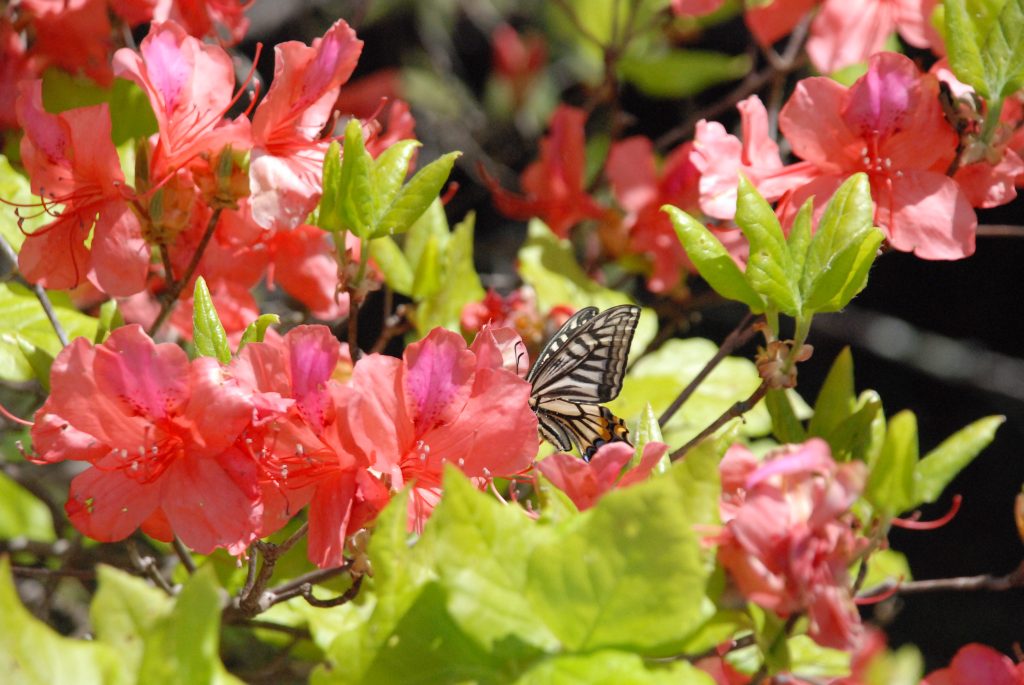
x,y
592,586
799,240
358,206
713,261
836,399
31,653
415,196
837,245
331,215
391,260
22,514
648,430
131,115
607,667
391,167
257,330
786,427
124,612
432,224
964,43
1003,53
15,188
854,437
770,270
460,283
25,321
810,660
427,279
666,73
207,330
887,566
109,319
890,485
940,466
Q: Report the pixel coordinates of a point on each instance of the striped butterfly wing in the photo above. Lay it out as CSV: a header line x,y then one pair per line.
x,y
583,364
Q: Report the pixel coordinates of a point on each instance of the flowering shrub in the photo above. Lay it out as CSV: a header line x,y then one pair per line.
x,y
280,430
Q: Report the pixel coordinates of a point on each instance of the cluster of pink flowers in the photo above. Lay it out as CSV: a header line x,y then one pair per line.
x,y
221,455
195,174
889,124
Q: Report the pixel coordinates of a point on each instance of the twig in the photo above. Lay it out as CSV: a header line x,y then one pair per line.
x,y
147,566
38,291
395,325
170,296
48,573
186,557
347,596
988,582
737,338
736,410
1000,231
254,597
293,588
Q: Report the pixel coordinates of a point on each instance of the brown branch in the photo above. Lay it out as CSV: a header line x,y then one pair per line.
x,y
146,565
345,597
1000,231
735,411
293,587
183,553
173,292
254,598
37,290
50,573
395,325
988,582
737,338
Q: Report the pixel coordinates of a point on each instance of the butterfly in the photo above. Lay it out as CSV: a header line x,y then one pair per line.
x,y
582,365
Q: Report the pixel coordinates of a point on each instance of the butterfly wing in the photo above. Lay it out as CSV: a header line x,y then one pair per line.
x,y
583,364
586,360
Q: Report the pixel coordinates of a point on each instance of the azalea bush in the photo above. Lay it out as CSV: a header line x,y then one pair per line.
x,y
267,406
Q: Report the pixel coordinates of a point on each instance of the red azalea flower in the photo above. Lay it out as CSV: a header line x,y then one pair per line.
x,y
288,154
586,482
975,664
158,432
74,35
787,539
72,162
554,183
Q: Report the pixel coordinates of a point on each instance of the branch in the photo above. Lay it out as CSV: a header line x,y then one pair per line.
x,y
254,597
739,337
173,292
183,553
1000,231
988,582
735,411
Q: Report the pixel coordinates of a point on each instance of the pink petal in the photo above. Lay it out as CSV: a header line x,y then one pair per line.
x,y
305,267
759,150
218,409
813,456
120,255
329,514
500,348
313,352
574,477
438,373
108,506
142,377
844,34
812,124
990,186
378,425
651,456
55,255
630,170
931,217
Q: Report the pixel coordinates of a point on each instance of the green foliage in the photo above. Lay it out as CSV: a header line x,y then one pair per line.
x,y
22,514
257,330
488,594
453,281
109,319
207,331
799,276
131,115
28,342
985,39
663,72
656,380
937,468
367,196
32,653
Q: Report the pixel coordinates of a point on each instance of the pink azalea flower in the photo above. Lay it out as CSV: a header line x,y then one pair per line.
x,y
517,311
288,153
889,125
222,19
438,404
73,35
554,183
977,663
696,7
517,59
14,67
720,157
787,539
641,190
586,482
158,432
72,162
190,85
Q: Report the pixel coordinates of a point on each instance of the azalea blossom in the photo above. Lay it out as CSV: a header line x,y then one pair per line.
x,y
975,663
158,433
787,538
72,164
890,126
288,151
440,404
585,482
553,184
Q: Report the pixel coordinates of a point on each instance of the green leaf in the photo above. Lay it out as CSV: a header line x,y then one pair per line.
x,y
813,662
31,653
257,330
836,399
935,471
713,261
15,188
391,260
427,279
1003,53
593,586
22,514
770,270
611,668
460,283
887,566
207,330
837,247
25,321
124,611
131,115
799,240
358,206
786,427
40,360
964,45
854,437
109,319
331,215
183,646
663,73
648,430
890,485
415,196
391,167
432,224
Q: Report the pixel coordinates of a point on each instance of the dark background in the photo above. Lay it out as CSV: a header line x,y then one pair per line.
x,y
955,357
